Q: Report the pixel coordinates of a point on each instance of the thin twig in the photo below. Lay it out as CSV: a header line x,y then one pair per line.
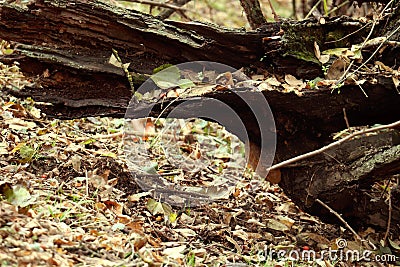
x,y
96,137
345,118
337,7
385,188
348,35
312,9
276,17
152,3
323,149
389,217
345,75
340,218
168,12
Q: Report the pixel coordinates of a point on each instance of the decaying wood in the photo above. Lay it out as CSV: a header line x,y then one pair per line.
x,y
65,46
343,176
71,41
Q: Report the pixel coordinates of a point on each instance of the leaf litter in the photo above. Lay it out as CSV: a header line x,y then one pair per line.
x,y
67,198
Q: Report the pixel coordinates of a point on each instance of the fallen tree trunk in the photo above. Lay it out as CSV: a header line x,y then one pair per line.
x,y
69,43
72,41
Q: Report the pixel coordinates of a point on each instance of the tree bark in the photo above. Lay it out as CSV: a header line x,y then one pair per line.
x,y
254,13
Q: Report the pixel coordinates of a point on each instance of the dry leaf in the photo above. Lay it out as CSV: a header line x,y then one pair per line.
x,y
382,66
76,163
273,81
337,69
277,225
235,244
322,58
186,232
293,81
114,206
175,252
274,176
136,197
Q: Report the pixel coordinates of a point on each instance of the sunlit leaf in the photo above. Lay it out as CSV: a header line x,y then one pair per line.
x,y
167,78
154,207
175,252
8,51
185,83
18,195
158,208
118,226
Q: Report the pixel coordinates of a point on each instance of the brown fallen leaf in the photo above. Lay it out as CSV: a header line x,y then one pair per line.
x,y
337,69
274,176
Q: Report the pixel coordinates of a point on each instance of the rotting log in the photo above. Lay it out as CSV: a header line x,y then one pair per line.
x,y
342,178
72,41
65,46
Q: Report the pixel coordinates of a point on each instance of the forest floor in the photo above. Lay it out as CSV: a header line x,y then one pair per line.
x,y
68,198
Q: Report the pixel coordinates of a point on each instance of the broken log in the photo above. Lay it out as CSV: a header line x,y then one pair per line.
x,y
71,42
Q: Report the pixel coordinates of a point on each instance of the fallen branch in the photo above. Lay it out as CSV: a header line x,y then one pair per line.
x,y
340,218
331,145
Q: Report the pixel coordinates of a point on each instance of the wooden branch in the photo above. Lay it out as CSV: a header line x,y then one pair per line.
x,y
152,3
168,12
254,13
332,145
342,175
340,218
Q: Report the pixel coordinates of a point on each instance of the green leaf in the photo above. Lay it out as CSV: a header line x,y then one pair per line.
x,y
26,152
185,83
8,51
151,168
109,154
191,260
167,78
18,195
156,207
172,217
88,142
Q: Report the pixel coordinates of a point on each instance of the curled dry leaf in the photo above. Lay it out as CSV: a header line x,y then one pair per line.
x,y
322,58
